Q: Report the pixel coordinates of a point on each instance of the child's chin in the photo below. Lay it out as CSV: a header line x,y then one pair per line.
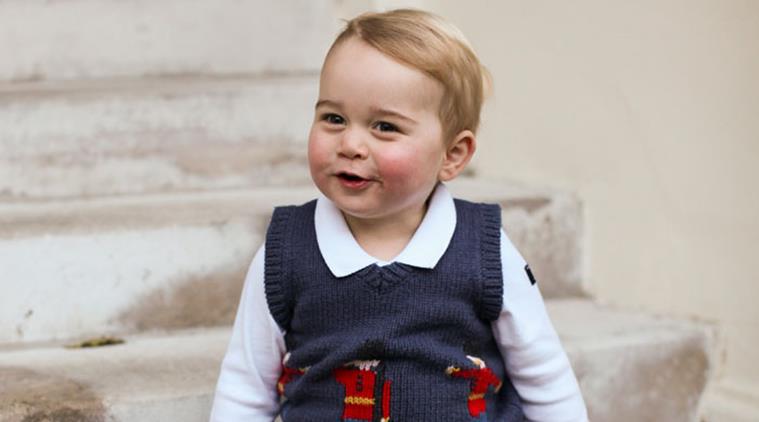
x,y
357,210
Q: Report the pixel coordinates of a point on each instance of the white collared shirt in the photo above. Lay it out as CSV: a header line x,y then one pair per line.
x,y
534,359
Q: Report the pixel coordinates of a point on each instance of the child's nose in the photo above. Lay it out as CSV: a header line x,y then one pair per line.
x,y
352,145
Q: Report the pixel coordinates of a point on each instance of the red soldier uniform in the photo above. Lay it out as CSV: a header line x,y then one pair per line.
x,y
481,379
288,374
360,397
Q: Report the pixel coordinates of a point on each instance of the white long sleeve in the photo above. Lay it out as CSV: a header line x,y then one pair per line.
x,y
535,361
246,390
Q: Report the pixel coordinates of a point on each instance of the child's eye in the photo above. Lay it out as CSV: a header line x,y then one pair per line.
x,y
386,127
333,119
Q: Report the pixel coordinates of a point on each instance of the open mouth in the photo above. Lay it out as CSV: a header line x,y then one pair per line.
x,y
352,180
348,177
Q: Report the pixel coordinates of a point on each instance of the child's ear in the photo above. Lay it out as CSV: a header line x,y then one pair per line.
x,y
457,155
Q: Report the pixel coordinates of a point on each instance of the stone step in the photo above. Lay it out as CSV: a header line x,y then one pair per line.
x,y
126,264
167,377
113,137
631,367
730,400
43,40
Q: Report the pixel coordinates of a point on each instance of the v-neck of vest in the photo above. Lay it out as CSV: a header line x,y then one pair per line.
x,y
383,279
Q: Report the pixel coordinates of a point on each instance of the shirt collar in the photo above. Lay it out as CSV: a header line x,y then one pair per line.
x,y
344,256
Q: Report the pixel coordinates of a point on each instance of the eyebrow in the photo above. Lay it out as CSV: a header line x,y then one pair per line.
x,y
375,110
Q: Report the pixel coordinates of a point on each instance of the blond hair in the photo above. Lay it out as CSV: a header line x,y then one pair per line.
x,y
427,43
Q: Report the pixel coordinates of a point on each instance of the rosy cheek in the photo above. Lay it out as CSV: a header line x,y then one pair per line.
x,y
398,165
316,150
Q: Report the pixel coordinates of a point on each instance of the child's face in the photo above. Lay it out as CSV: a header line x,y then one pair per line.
x,y
376,146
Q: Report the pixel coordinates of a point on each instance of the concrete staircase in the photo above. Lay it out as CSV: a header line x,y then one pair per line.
x,y
141,154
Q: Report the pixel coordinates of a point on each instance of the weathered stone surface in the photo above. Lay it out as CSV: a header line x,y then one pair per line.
x,y
120,264
153,135
27,395
43,40
631,367
149,378
78,268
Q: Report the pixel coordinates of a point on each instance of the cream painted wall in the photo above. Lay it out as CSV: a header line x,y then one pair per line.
x,y
650,111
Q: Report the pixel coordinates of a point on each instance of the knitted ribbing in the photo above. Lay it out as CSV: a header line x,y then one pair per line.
x,y
390,341
490,255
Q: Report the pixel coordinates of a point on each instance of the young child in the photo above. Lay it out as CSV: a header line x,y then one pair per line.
x,y
386,299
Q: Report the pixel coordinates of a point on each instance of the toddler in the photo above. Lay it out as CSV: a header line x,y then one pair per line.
x,y
385,298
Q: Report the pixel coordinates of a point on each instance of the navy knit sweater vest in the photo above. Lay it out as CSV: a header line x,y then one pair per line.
x,y
391,343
